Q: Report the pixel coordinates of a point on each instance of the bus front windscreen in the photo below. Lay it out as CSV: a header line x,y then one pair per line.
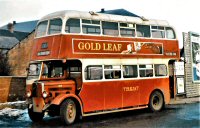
x,y
34,70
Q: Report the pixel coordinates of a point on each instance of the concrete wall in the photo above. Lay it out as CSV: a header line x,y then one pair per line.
x,y
12,89
19,56
192,89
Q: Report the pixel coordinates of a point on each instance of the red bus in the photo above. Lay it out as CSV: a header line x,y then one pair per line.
x,y
86,63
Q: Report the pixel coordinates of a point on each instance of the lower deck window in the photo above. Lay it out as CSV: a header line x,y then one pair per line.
x,y
160,70
146,70
112,72
93,72
130,71
99,72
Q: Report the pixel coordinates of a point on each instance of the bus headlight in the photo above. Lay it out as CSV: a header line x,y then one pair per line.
x,y
28,94
44,94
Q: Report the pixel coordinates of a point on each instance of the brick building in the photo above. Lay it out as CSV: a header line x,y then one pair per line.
x,y
16,39
19,56
17,45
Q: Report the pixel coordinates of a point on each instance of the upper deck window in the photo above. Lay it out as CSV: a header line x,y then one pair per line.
x,y
41,28
72,26
91,26
55,26
110,28
127,29
143,30
170,34
158,31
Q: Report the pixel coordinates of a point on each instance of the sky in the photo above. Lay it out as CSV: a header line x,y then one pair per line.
x,y
183,15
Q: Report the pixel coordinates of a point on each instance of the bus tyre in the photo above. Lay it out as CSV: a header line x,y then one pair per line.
x,y
68,111
156,101
35,116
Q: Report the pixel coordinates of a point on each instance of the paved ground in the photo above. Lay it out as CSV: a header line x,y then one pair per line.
x,y
173,116
185,100
22,104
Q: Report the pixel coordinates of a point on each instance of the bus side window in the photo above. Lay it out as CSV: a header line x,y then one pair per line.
x,y
160,70
55,26
110,28
146,70
170,34
143,30
93,72
91,26
158,32
72,26
41,29
127,29
112,72
130,71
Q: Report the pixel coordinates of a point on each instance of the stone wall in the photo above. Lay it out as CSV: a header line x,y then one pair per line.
x,y
12,89
19,56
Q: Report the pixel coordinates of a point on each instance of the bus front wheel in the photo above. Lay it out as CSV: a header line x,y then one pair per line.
x,y
68,111
156,101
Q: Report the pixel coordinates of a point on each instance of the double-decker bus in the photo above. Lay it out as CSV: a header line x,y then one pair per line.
x,y
86,63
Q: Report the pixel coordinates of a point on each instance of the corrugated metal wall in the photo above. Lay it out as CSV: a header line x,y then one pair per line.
x,y
192,88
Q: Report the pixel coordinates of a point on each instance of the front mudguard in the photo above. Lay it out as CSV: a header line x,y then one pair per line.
x,y
60,98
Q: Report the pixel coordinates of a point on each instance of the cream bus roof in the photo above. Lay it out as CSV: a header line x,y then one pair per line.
x,y
104,17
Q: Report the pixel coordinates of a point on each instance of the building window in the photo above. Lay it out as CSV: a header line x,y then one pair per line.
x,y
160,70
72,26
158,32
91,26
146,70
110,28
127,29
41,29
93,72
130,71
55,26
112,72
143,30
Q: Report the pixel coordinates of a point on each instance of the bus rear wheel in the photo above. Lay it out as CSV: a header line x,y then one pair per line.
x,y
35,116
68,111
156,101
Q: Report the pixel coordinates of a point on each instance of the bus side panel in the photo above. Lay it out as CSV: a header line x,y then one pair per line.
x,y
92,96
148,85
55,50
131,92
113,94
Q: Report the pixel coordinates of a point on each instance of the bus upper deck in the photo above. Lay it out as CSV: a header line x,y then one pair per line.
x,y
74,34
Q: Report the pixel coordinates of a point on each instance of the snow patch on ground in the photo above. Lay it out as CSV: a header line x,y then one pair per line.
x,y
14,114
13,103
